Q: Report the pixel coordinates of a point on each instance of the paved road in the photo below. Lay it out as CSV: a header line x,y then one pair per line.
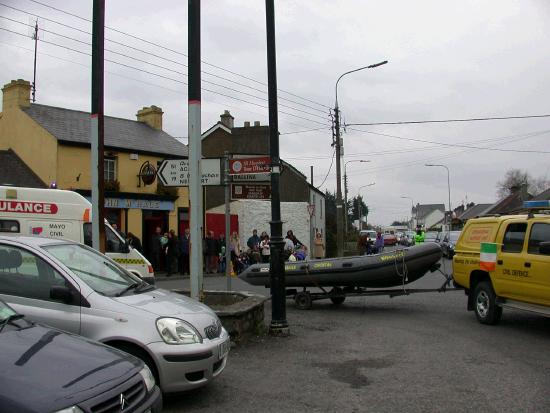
x,y
416,353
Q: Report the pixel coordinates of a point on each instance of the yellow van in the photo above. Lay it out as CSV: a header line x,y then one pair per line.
x,y
55,213
504,261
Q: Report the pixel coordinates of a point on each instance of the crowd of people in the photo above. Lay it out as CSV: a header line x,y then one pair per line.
x,y
170,253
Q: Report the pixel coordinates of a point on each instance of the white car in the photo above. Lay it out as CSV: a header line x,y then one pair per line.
x,y
74,288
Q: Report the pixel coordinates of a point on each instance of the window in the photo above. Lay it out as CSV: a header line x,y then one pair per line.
x,y
9,225
539,233
513,237
109,169
113,244
24,274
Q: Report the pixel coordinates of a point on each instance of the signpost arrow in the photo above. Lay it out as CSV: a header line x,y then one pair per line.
x,y
175,172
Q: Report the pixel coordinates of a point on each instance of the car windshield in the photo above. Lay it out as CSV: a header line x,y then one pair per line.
x,y
96,270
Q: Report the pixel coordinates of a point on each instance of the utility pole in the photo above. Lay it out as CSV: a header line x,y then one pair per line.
x,y
195,150
97,126
278,325
339,206
35,38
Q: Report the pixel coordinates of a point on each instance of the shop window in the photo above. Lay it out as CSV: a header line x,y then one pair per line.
x,y
513,237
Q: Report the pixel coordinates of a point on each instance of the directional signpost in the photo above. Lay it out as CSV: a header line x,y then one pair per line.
x,y
250,191
251,177
175,172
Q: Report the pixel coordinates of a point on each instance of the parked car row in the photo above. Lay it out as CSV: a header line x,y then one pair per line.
x,y
178,343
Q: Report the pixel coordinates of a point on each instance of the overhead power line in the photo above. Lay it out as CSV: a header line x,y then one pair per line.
x,y
177,52
413,122
329,169
172,70
450,144
144,82
164,77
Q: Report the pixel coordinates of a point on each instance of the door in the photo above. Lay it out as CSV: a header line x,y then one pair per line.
x,y
26,281
510,273
538,264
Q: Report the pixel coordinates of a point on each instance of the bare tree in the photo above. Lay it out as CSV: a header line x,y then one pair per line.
x,y
516,180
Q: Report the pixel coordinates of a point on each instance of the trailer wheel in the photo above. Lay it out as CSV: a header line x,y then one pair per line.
x,y
337,300
485,306
303,300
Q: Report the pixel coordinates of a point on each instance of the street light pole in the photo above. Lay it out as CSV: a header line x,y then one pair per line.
x,y
346,193
449,189
360,207
338,143
412,207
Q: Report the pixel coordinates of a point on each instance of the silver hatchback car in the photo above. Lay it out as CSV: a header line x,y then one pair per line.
x,y
75,288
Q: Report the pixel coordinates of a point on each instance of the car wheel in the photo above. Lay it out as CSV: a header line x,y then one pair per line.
x,y
337,300
303,300
485,306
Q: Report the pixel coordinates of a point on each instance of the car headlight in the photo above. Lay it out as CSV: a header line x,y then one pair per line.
x,y
72,409
176,331
148,378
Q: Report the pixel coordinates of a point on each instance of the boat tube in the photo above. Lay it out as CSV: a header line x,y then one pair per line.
x,y
388,269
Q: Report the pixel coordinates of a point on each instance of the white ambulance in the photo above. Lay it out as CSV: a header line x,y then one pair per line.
x,y
55,213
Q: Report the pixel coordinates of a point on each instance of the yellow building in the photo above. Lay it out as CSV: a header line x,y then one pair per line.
x,y
55,144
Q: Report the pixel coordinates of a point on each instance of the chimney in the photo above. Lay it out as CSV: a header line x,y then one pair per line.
x,y
152,116
247,124
227,120
256,123
17,94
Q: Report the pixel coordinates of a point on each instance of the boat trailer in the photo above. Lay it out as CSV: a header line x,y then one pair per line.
x,y
304,299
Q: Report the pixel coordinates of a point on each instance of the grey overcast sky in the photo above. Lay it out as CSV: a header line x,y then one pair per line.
x,y
447,59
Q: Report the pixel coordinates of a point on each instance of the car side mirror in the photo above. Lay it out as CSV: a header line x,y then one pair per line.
x,y
61,293
544,248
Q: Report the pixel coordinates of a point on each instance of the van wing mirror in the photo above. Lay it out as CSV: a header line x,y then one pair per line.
x,y
544,248
61,293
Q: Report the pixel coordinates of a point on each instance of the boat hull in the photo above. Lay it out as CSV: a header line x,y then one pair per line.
x,y
372,271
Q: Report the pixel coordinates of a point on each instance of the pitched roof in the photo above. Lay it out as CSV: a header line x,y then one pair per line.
x,y
474,211
73,127
422,211
542,196
512,203
14,171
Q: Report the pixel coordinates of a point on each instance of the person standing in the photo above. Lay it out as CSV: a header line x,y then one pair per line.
x,y
171,249
235,245
318,246
221,253
156,249
379,243
184,252
211,252
265,249
253,241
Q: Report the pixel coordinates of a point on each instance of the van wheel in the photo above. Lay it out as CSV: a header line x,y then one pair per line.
x,y
485,307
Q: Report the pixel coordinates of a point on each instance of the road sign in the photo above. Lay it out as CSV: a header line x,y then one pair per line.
x,y
250,191
261,177
256,165
175,172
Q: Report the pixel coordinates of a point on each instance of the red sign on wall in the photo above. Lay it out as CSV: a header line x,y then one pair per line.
x,y
257,165
250,191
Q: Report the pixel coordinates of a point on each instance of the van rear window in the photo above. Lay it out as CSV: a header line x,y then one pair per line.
x,y
9,225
